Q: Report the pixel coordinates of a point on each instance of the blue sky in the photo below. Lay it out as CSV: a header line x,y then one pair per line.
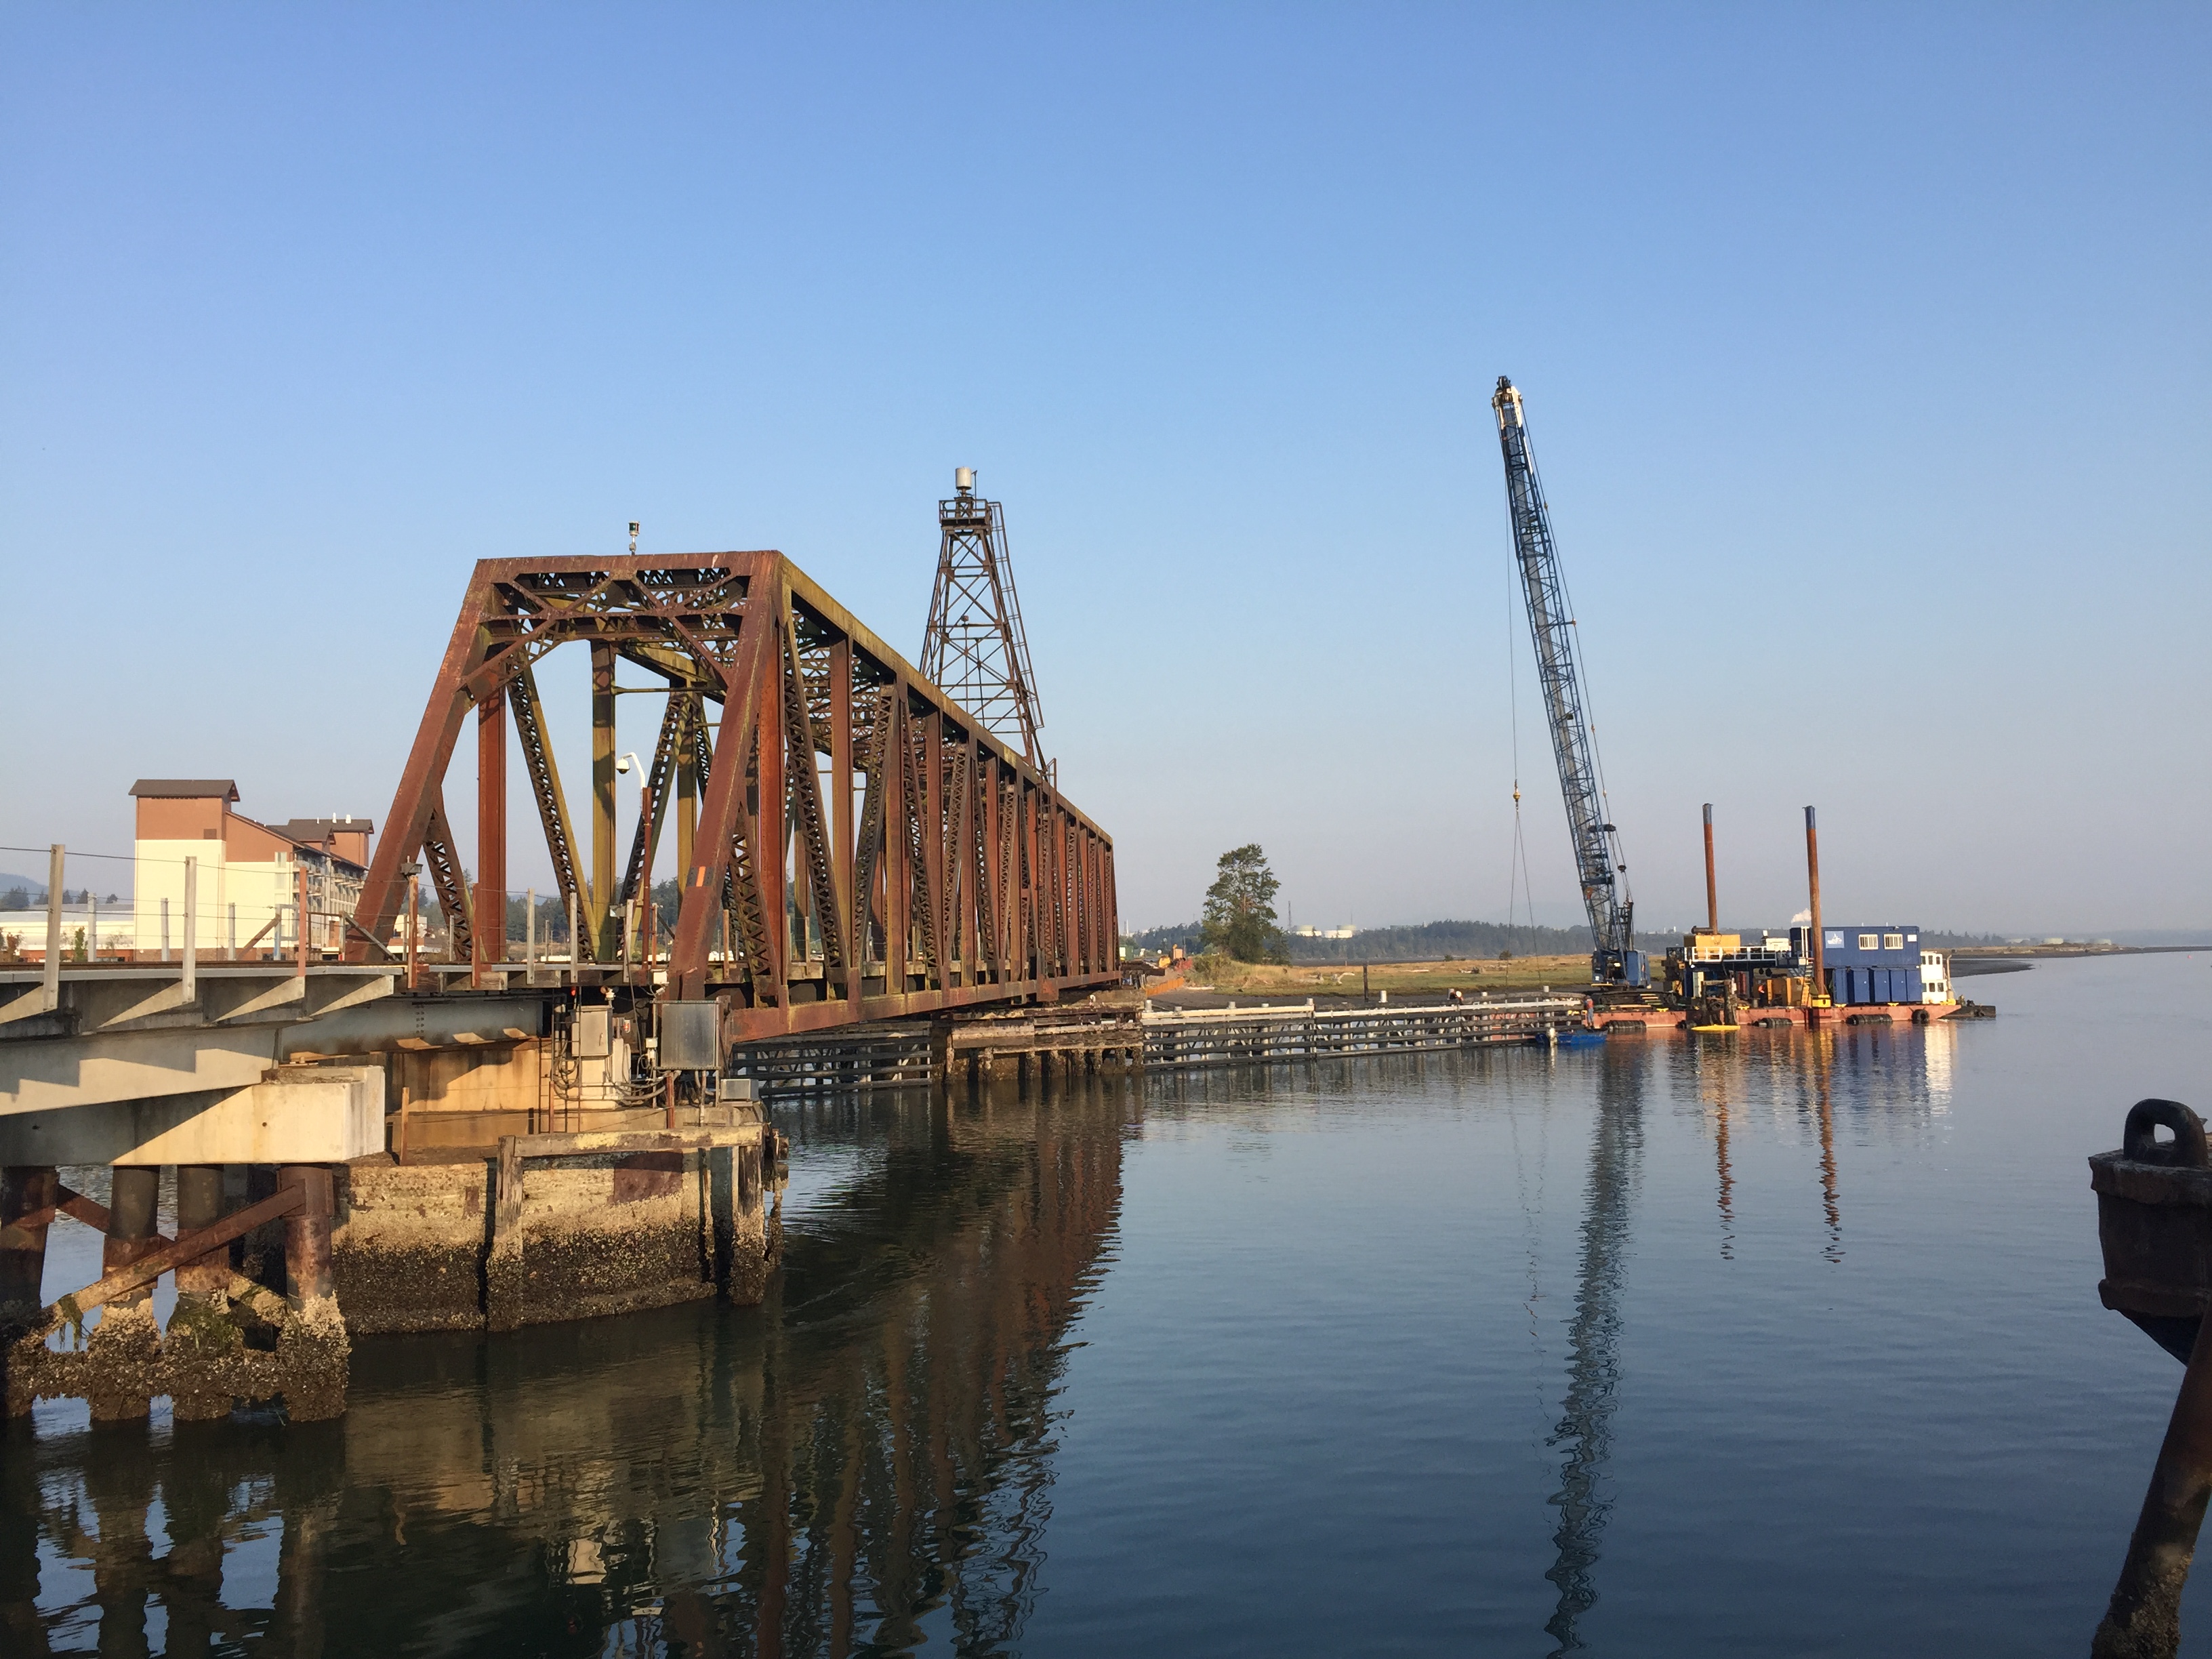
x,y
1865,353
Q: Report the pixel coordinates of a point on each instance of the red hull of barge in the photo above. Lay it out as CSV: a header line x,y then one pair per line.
x,y
1897,1013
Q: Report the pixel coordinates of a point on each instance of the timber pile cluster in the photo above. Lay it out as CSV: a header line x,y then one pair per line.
x,y
1043,1044
1246,1037
886,1055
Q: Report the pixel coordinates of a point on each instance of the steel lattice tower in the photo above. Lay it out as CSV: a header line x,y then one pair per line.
x,y
975,647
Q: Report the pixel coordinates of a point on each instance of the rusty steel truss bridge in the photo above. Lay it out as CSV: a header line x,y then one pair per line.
x,y
852,844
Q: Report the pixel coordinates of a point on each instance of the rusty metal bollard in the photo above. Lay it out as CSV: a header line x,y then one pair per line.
x,y
2155,1223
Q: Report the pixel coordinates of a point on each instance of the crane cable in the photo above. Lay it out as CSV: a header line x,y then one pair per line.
x,y
1589,711
1517,867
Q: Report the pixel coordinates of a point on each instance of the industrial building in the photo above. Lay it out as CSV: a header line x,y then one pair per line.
x,y
247,873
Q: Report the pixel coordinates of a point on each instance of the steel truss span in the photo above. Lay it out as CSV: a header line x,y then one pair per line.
x,y
852,844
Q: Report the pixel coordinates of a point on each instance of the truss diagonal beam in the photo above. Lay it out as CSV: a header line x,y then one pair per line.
x,y
673,721
868,852
723,809
440,853
806,786
546,788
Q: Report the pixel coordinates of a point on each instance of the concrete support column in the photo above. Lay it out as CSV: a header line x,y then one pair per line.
x,y
124,1355
199,1204
314,1350
26,1189
133,1193
202,1346
307,1234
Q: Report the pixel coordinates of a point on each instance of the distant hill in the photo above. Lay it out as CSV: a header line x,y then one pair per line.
x,y
1430,941
29,892
34,889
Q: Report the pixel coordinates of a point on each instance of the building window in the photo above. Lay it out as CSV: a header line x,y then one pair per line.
x,y
1892,941
1869,941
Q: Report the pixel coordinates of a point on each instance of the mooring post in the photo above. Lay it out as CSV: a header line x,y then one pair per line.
x,y
2144,1618
2153,1222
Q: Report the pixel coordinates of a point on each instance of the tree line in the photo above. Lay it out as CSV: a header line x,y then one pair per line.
x,y
1239,921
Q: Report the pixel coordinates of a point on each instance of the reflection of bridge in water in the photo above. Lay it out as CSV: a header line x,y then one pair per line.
x,y
864,1464
860,1465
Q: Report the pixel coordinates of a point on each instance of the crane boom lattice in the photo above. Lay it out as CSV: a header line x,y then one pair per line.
x,y
1598,861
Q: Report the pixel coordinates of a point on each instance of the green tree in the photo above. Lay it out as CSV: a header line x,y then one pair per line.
x,y
1240,909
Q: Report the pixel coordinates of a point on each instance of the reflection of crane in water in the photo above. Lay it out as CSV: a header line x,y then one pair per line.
x,y
1585,1426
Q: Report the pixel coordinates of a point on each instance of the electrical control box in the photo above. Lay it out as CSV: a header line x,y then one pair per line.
x,y
691,1036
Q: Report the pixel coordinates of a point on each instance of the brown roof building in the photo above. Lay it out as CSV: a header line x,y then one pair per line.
x,y
248,874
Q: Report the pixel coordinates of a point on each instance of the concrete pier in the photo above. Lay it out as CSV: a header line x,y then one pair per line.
x,y
554,1227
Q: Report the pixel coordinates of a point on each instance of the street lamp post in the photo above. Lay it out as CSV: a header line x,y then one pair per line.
x,y
629,763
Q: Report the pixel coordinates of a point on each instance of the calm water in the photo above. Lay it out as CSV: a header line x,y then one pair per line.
x,y
1770,1345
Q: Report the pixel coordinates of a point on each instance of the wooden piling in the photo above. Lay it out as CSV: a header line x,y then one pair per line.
x,y
503,1266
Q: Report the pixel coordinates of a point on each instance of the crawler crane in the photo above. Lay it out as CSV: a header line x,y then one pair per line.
x,y
1615,959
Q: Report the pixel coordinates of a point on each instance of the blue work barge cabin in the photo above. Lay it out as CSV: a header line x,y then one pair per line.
x,y
1867,965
